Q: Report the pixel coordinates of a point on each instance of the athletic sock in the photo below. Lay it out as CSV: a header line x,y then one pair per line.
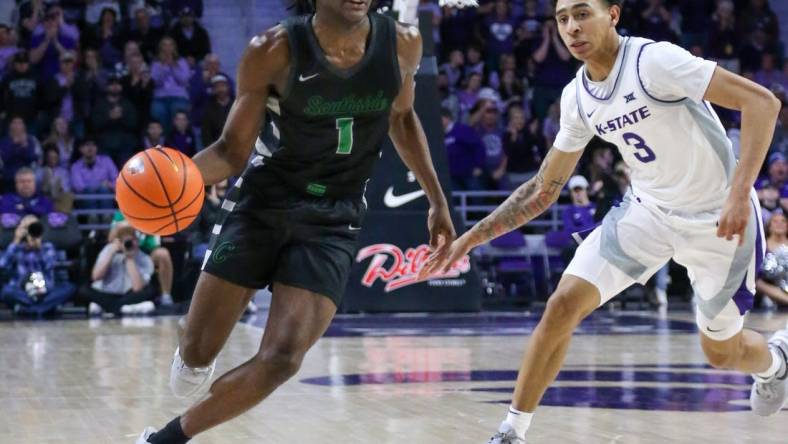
x,y
172,433
777,363
520,421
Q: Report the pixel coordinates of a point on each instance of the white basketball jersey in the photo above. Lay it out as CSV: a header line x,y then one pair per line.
x,y
655,114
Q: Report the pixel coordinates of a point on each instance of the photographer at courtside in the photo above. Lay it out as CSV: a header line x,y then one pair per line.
x,y
121,276
30,263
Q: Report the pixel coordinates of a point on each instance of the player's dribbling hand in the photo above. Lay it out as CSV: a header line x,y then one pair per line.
x,y
734,217
441,228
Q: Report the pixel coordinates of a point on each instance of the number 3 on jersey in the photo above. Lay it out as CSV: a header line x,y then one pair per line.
x,y
345,128
647,155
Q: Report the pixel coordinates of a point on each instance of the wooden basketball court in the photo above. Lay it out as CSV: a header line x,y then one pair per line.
x,y
631,378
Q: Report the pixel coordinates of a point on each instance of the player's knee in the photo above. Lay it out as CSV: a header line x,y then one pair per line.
x,y
563,312
720,360
723,357
282,363
160,255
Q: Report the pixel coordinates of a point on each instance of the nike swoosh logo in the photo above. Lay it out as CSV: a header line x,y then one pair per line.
x,y
591,114
714,331
392,201
301,78
352,228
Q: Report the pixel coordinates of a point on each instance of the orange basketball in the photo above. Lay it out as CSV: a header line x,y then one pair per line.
x,y
160,191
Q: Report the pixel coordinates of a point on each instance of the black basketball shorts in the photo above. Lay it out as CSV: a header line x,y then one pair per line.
x,y
304,242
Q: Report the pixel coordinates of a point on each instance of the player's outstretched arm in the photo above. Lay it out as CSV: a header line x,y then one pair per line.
x,y
264,64
409,139
528,201
759,110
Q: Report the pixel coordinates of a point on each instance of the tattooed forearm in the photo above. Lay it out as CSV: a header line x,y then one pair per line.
x,y
527,202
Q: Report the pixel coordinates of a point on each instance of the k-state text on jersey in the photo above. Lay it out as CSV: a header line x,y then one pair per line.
x,y
623,121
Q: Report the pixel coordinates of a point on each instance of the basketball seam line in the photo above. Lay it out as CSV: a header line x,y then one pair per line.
x,y
148,201
199,193
183,167
202,194
166,194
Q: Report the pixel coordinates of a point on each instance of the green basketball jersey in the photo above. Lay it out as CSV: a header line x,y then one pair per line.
x,y
323,135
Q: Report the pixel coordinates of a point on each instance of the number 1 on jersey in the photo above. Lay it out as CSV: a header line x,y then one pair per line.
x,y
345,128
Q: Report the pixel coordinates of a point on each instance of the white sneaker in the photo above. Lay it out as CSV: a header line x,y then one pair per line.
x,y
94,309
186,381
768,397
141,308
506,435
143,439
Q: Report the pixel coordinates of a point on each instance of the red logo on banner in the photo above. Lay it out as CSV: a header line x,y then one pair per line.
x,y
405,267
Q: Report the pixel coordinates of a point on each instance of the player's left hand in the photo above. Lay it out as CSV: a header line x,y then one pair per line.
x,y
441,228
734,217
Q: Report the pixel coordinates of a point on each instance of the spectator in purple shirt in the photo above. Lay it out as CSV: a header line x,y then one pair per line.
x,y
579,215
465,153
500,32
25,200
473,61
18,149
454,68
53,8
576,217
93,174
170,74
45,48
182,135
470,94
489,129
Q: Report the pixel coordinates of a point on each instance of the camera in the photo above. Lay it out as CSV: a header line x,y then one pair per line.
x,y
35,230
128,244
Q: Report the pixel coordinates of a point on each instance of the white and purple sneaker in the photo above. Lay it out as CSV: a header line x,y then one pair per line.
x,y
768,396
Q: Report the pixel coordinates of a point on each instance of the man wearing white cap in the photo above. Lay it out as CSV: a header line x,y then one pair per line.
x,y
216,110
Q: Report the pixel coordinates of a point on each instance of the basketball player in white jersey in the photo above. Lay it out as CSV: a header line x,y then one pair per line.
x,y
690,200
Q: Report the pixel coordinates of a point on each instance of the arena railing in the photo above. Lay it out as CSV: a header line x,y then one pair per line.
x,y
473,206
86,216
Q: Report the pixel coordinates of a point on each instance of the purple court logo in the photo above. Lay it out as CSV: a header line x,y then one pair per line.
x,y
677,387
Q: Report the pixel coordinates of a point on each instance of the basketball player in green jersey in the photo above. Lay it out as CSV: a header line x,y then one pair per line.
x,y
316,96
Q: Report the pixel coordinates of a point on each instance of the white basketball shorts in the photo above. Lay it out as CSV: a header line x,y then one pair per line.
x,y
636,239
